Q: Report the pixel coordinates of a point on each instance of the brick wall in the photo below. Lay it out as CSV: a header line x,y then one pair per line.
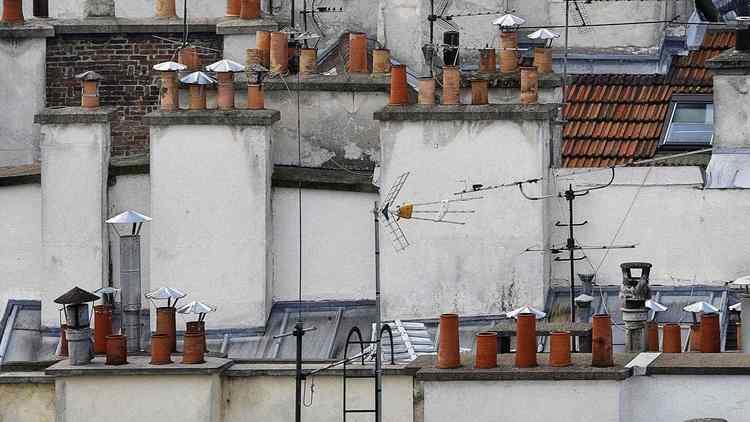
x,y
125,61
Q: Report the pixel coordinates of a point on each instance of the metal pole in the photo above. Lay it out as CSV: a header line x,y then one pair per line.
x,y
298,333
292,14
570,196
378,362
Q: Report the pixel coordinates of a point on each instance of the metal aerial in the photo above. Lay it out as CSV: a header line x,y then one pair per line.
x,y
312,11
166,293
527,309
196,308
129,217
225,66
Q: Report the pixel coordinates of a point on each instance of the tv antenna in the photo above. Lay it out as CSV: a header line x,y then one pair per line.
x,y
312,11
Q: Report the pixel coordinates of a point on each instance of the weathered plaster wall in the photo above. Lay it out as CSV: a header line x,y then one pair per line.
x,y
337,238
27,402
132,192
210,200
477,268
146,398
337,127
271,398
23,94
136,8
690,235
533,401
75,161
20,243
683,397
731,96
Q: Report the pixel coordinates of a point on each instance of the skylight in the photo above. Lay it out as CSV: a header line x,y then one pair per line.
x,y
690,123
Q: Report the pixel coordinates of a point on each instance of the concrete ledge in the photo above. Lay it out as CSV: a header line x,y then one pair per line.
x,y
730,62
727,363
109,25
288,370
320,178
29,29
213,117
338,83
25,378
243,26
138,365
421,113
506,370
75,115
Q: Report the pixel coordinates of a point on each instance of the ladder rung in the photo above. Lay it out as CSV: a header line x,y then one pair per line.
x,y
359,411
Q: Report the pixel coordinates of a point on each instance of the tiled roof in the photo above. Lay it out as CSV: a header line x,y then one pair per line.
x,y
617,119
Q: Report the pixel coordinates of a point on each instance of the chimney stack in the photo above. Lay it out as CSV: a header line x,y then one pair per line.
x,y
13,11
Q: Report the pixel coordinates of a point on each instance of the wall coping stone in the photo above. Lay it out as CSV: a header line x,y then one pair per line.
x,y
581,369
239,117
421,113
113,25
236,26
138,365
730,62
337,83
288,370
727,363
25,378
75,115
31,28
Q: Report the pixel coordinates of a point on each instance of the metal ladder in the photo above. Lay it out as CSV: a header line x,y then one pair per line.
x,y
376,373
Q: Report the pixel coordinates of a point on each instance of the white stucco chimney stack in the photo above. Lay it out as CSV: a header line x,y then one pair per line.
x,y
730,160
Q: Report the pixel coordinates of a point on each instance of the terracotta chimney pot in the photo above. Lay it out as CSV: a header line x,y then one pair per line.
x,y
672,341
197,327
308,61
166,9
279,52
543,60
165,316
263,43
193,348
225,100
479,92
358,52
427,91
381,61
710,334
90,95
449,356
399,94
170,94
250,9
601,341
526,341
102,327
487,61
485,355
451,85
161,349
188,56
63,341
695,337
559,349
255,100
652,336
234,7
529,85
117,350
13,11
508,52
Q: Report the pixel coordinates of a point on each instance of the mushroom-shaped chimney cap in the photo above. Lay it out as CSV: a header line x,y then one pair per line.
x,y
543,34
75,296
742,281
655,306
225,66
165,293
198,78
509,21
701,306
169,67
195,307
106,290
89,76
526,310
583,298
129,217
736,307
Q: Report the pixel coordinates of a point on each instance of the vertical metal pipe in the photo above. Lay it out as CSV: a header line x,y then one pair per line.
x,y
378,347
570,196
292,14
298,333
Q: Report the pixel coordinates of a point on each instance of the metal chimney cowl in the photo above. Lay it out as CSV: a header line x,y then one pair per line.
x,y
634,293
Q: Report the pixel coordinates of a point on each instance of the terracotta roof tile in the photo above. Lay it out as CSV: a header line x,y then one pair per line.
x,y
619,118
